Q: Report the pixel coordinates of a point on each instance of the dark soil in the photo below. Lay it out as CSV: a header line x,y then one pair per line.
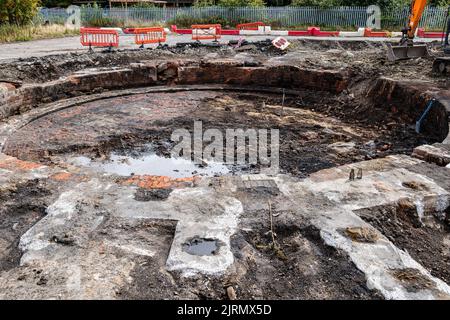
x,y
300,266
20,208
152,195
98,128
307,269
52,67
429,244
366,58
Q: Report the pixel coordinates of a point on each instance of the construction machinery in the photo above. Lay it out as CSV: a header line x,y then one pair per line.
x,y
442,65
408,50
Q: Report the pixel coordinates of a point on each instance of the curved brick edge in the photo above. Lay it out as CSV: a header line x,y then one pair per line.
x,y
20,99
409,98
15,123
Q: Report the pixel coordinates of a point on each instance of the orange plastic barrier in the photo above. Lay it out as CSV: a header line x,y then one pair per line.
x,y
421,33
250,26
93,37
206,32
149,35
375,34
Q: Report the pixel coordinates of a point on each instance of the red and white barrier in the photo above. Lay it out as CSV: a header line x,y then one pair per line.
x,y
93,37
175,29
144,36
262,30
421,33
206,32
259,28
254,29
350,34
368,33
298,33
109,37
316,32
252,26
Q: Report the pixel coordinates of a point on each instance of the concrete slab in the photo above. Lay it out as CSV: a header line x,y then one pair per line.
x,y
88,217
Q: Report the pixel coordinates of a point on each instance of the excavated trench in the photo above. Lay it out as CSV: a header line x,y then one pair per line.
x,y
325,118
131,134
120,122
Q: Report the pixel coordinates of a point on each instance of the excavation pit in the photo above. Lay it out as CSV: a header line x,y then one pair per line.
x,y
100,141
132,135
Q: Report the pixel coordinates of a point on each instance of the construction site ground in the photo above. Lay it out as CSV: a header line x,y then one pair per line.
x,y
83,217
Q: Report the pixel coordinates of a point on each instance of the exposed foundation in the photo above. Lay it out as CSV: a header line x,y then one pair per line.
x,y
87,146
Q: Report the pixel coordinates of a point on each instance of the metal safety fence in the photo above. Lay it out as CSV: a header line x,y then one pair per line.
x,y
335,17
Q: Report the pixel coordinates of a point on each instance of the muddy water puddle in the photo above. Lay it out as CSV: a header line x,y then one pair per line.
x,y
201,247
151,164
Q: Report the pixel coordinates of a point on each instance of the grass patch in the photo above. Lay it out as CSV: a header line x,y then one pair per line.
x,y
186,21
119,23
12,33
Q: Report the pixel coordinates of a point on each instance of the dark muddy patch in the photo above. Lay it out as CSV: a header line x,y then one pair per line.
x,y
298,266
21,207
152,281
428,244
263,188
315,130
146,195
412,279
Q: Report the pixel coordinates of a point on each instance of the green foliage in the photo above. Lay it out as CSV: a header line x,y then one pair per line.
x,y
56,3
186,21
230,3
241,3
384,4
316,3
11,33
18,12
204,3
144,5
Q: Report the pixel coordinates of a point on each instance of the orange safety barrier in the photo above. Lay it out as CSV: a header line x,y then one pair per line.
x,y
250,26
93,37
149,35
375,34
206,32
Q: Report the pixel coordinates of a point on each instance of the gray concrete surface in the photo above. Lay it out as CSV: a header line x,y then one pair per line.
x,y
327,198
46,47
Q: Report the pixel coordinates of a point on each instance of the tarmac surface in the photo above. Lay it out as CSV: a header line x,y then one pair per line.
x,y
40,48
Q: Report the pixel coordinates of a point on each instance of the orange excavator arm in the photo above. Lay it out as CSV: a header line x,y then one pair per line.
x,y
407,49
417,9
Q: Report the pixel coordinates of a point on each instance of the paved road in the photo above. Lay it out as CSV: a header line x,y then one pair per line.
x,y
41,48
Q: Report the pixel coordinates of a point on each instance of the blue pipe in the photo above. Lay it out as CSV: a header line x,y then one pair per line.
x,y
427,110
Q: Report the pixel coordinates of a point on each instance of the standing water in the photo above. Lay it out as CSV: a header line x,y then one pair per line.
x,y
150,164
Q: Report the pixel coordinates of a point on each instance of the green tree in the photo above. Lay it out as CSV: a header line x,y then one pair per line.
x,y
230,3
241,3
316,3
382,3
56,3
19,12
204,3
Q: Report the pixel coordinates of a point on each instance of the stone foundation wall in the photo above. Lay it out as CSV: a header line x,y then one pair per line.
x,y
407,97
